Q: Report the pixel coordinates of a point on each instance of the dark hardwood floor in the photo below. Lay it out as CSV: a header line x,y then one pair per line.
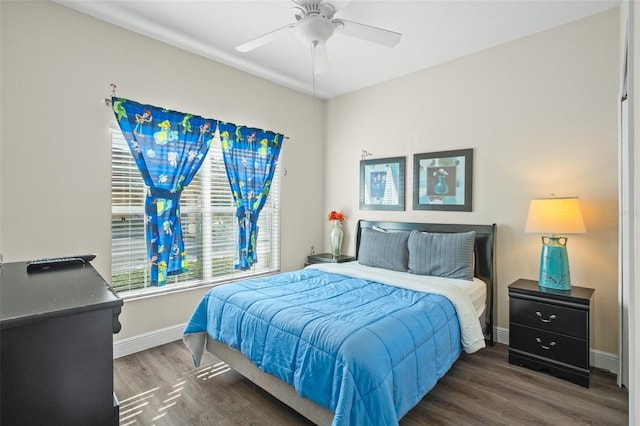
x,y
160,386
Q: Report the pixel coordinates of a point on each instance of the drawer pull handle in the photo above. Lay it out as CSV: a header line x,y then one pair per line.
x,y
551,318
545,347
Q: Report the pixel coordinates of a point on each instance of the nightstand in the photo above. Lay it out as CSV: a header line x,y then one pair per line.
x,y
549,329
328,258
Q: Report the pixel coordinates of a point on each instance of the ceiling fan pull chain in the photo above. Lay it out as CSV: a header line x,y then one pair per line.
x,y
313,66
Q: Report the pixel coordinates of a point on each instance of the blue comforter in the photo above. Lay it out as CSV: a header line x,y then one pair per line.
x,y
367,351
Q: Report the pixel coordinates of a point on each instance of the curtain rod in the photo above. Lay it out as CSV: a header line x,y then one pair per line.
x,y
107,102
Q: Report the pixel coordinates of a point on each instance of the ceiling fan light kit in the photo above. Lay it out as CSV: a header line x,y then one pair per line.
x,y
314,29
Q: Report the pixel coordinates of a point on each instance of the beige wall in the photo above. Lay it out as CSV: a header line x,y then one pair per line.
x,y
57,65
540,114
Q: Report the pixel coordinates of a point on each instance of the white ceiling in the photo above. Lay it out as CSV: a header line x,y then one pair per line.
x,y
433,32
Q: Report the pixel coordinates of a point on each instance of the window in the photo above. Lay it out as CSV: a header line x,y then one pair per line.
x,y
208,220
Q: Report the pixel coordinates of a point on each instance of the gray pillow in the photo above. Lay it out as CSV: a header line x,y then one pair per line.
x,y
386,250
442,255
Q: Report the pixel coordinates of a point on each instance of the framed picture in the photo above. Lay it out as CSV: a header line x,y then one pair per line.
x,y
382,184
443,180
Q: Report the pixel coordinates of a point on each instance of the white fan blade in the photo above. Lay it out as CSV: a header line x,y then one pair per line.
x,y
264,39
321,58
367,32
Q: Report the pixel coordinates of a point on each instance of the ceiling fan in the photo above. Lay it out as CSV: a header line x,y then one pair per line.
x,y
315,24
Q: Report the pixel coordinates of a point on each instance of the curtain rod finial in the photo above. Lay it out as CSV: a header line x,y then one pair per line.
x,y
107,101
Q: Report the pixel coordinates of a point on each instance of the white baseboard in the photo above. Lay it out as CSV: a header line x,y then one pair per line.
x,y
145,341
598,359
604,360
502,335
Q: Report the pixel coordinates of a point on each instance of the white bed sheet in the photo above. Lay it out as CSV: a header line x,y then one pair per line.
x,y
468,297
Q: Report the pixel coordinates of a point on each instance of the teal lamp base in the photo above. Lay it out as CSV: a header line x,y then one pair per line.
x,y
554,264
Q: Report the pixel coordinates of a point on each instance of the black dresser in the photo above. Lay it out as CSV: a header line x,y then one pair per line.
x,y
56,359
549,329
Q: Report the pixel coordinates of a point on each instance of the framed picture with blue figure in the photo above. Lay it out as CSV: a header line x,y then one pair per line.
x,y
443,180
382,184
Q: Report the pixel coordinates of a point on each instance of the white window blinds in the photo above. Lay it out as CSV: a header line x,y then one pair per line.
x,y
208,220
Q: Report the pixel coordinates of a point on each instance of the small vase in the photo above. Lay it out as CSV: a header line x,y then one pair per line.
x,y
336,237
441,188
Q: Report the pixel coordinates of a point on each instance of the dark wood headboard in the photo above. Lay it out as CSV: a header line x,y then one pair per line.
x,y
485,261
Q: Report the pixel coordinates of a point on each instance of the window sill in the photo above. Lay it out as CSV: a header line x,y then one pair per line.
x,y
151,292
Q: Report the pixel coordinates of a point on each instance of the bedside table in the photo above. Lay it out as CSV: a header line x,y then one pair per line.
x,y
549,329
328,258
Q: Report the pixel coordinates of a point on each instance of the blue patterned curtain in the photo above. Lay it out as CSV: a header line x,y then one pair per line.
x,y
168,148
250,158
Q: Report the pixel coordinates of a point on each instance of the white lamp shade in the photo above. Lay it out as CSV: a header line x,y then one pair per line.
x,y
555,216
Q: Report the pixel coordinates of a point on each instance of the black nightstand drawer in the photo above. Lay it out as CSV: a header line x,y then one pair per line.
x,y
550,345
549,317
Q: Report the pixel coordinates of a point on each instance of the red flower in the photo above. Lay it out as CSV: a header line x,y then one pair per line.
x,y
334,215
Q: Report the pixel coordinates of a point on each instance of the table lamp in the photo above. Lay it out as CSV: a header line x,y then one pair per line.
x,y
555,216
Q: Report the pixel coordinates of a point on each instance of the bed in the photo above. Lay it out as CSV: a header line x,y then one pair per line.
x,y
359,342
